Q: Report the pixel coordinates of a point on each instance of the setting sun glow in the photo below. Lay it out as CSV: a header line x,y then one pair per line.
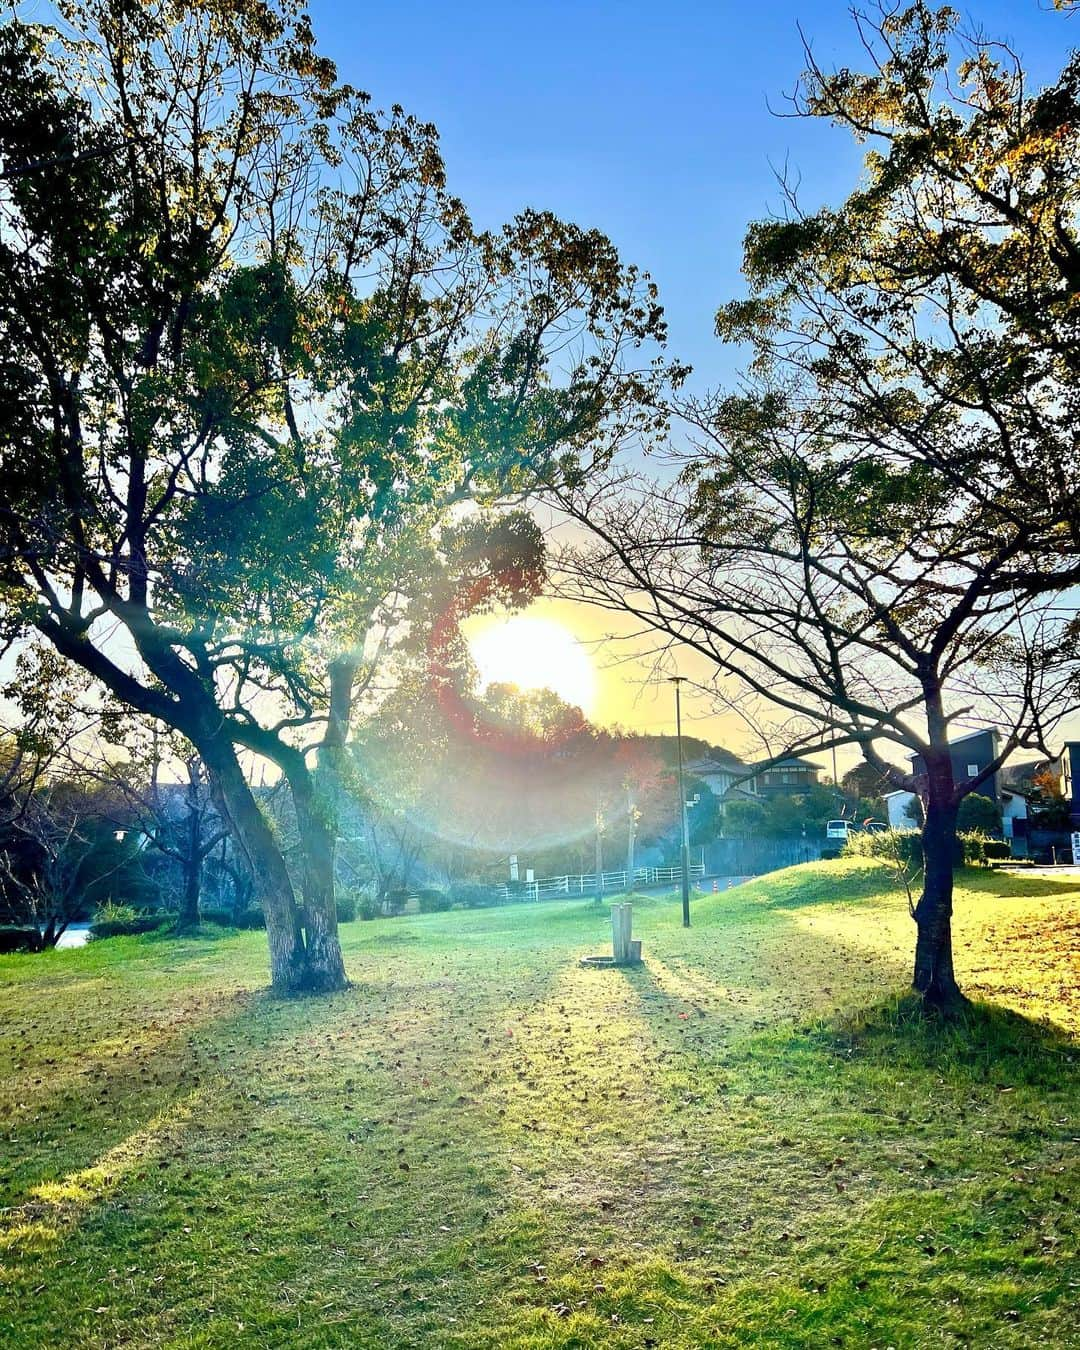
x,y
535,654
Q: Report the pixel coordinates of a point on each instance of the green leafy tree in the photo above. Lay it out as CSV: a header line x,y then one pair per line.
x,y
864,786
254,356
744,817
703,816
937,307
979,814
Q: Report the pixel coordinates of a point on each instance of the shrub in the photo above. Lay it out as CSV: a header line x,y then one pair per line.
x,y
110,912
997,848
252,917
433,901
907,846
971,849
368,906
113,920
345,903
224,918
890,845
395,900
473,895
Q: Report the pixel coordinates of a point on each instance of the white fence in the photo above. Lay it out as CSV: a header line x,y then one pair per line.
x,y
585,883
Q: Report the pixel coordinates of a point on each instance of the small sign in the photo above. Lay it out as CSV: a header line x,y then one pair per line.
x,y
530,875
1076,847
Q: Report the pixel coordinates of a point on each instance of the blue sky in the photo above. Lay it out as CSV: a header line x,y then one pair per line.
x,y
648,121
651,122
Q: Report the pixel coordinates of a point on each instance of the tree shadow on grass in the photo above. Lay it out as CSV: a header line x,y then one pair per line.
x,y
91,1098
1017,886
981,1043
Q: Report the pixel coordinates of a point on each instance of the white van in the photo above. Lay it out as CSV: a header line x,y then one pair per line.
x,y
837,829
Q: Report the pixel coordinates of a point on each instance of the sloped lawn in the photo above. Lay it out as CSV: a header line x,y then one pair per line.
x,y
751,1141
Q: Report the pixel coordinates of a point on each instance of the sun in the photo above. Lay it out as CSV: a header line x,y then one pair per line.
x,y
535,654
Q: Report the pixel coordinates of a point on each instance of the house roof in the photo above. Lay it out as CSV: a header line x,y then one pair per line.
x,y
707,764
788,762
971,735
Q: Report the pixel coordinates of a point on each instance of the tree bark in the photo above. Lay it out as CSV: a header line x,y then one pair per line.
x,y
317,825
289,973
315,800
934,978
188,918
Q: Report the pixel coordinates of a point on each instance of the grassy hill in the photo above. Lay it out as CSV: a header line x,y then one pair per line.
x,y
747,1142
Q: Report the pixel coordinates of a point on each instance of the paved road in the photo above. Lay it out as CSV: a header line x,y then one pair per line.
x,y
1056,869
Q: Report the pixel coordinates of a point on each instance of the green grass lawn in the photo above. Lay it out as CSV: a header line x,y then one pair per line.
x,y
749,1141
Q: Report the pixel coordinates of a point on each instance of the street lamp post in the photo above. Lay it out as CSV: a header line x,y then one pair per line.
x,y
677,680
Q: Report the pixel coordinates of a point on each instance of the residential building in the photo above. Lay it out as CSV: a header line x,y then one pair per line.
x,y
785,778
728,777
970,756
718,774
1007,787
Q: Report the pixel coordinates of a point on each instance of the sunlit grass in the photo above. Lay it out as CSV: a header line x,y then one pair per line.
x,y
751,1140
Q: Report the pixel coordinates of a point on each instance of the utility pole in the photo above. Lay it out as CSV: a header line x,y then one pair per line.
x,y
677,680
599,854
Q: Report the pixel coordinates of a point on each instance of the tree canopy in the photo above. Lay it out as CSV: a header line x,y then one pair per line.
x,y
872,541
256,362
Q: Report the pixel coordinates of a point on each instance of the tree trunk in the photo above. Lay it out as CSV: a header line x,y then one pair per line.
x,y
188,918
934,978
316,823
315,800
288,957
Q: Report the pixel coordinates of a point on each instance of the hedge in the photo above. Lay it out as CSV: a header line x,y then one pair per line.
x,y
228,918
474,895
141,923
888,844
433,901
972,848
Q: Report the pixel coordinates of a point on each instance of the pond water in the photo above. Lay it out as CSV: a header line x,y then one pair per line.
x,y
77,935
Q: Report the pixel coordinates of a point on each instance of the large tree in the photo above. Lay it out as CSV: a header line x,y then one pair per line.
x,y
938,308
876,537
253,356
836,599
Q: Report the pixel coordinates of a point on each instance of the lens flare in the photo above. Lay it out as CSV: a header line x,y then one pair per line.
x,y
535,654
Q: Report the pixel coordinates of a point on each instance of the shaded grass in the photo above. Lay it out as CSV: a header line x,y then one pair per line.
x,y
746,1142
